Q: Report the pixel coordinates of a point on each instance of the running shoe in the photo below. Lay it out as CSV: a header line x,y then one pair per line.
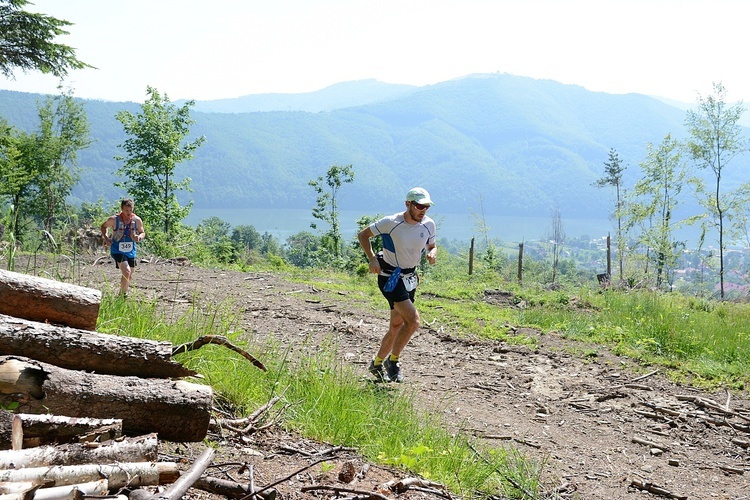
x,y
393,370
379,372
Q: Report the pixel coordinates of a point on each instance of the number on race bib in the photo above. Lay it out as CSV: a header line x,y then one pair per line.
x,y
125,246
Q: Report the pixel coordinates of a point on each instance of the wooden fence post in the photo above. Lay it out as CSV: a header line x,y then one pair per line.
x,y
520,263
609,257
471,257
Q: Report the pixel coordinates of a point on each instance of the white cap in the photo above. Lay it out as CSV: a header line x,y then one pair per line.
x,y
419,195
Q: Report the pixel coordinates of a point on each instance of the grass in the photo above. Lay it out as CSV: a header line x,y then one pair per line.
x,y
695,341
326,400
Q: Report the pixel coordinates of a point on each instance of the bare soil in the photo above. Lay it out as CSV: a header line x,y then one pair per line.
x,y
600,425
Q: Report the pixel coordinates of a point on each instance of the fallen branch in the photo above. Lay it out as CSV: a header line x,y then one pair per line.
x,y
645,376
640,387
399,486
231,489
656,490
338,489
650,444
332,451
637,379
218,340
178,489
732,470
243,425
19,490
712,405
661,409
647,414
283,479
744,443
724,422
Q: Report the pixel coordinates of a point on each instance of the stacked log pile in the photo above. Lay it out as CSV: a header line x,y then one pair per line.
x,y
88,408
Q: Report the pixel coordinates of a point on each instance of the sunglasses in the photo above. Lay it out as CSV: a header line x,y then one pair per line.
x,y
419,206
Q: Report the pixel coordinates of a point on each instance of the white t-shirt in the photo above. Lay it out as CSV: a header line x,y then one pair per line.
x,y
404,243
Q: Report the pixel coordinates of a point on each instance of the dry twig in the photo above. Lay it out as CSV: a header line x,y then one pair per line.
x,y
656,490
219,340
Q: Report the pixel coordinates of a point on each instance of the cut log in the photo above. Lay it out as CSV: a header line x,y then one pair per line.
x,y
120,475
135,449
46,300
38,430
18,490
176,410
73,491
89,351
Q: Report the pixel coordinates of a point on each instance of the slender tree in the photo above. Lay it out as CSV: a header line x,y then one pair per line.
x,y
613,174
655,199
557,237
154,149
27,42
490,255
62,133
715,139
327,209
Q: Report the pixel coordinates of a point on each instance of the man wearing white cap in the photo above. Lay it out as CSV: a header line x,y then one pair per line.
x,y
406,237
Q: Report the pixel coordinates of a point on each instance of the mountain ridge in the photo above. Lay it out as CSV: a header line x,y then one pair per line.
x,y
509,145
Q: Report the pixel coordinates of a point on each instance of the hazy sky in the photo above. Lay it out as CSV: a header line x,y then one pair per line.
x,y
201,50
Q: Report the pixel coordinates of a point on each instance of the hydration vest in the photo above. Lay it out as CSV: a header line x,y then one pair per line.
x,y
122,238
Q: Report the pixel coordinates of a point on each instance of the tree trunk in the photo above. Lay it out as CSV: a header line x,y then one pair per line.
x,y
21,490
176,410
37,430
119,475
136,449
90,489
46,300
89,351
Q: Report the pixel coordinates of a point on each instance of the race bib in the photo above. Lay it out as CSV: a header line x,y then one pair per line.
x,y
410,281
125,246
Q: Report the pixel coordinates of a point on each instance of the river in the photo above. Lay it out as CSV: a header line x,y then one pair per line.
x,y
282,223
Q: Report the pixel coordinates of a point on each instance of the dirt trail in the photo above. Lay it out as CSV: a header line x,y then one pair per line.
x,y
603,427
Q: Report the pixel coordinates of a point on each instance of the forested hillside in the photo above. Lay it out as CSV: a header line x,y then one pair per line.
x,y
521,146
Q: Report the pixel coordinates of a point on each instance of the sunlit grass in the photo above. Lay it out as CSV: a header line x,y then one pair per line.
x,y
327,400
704,342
